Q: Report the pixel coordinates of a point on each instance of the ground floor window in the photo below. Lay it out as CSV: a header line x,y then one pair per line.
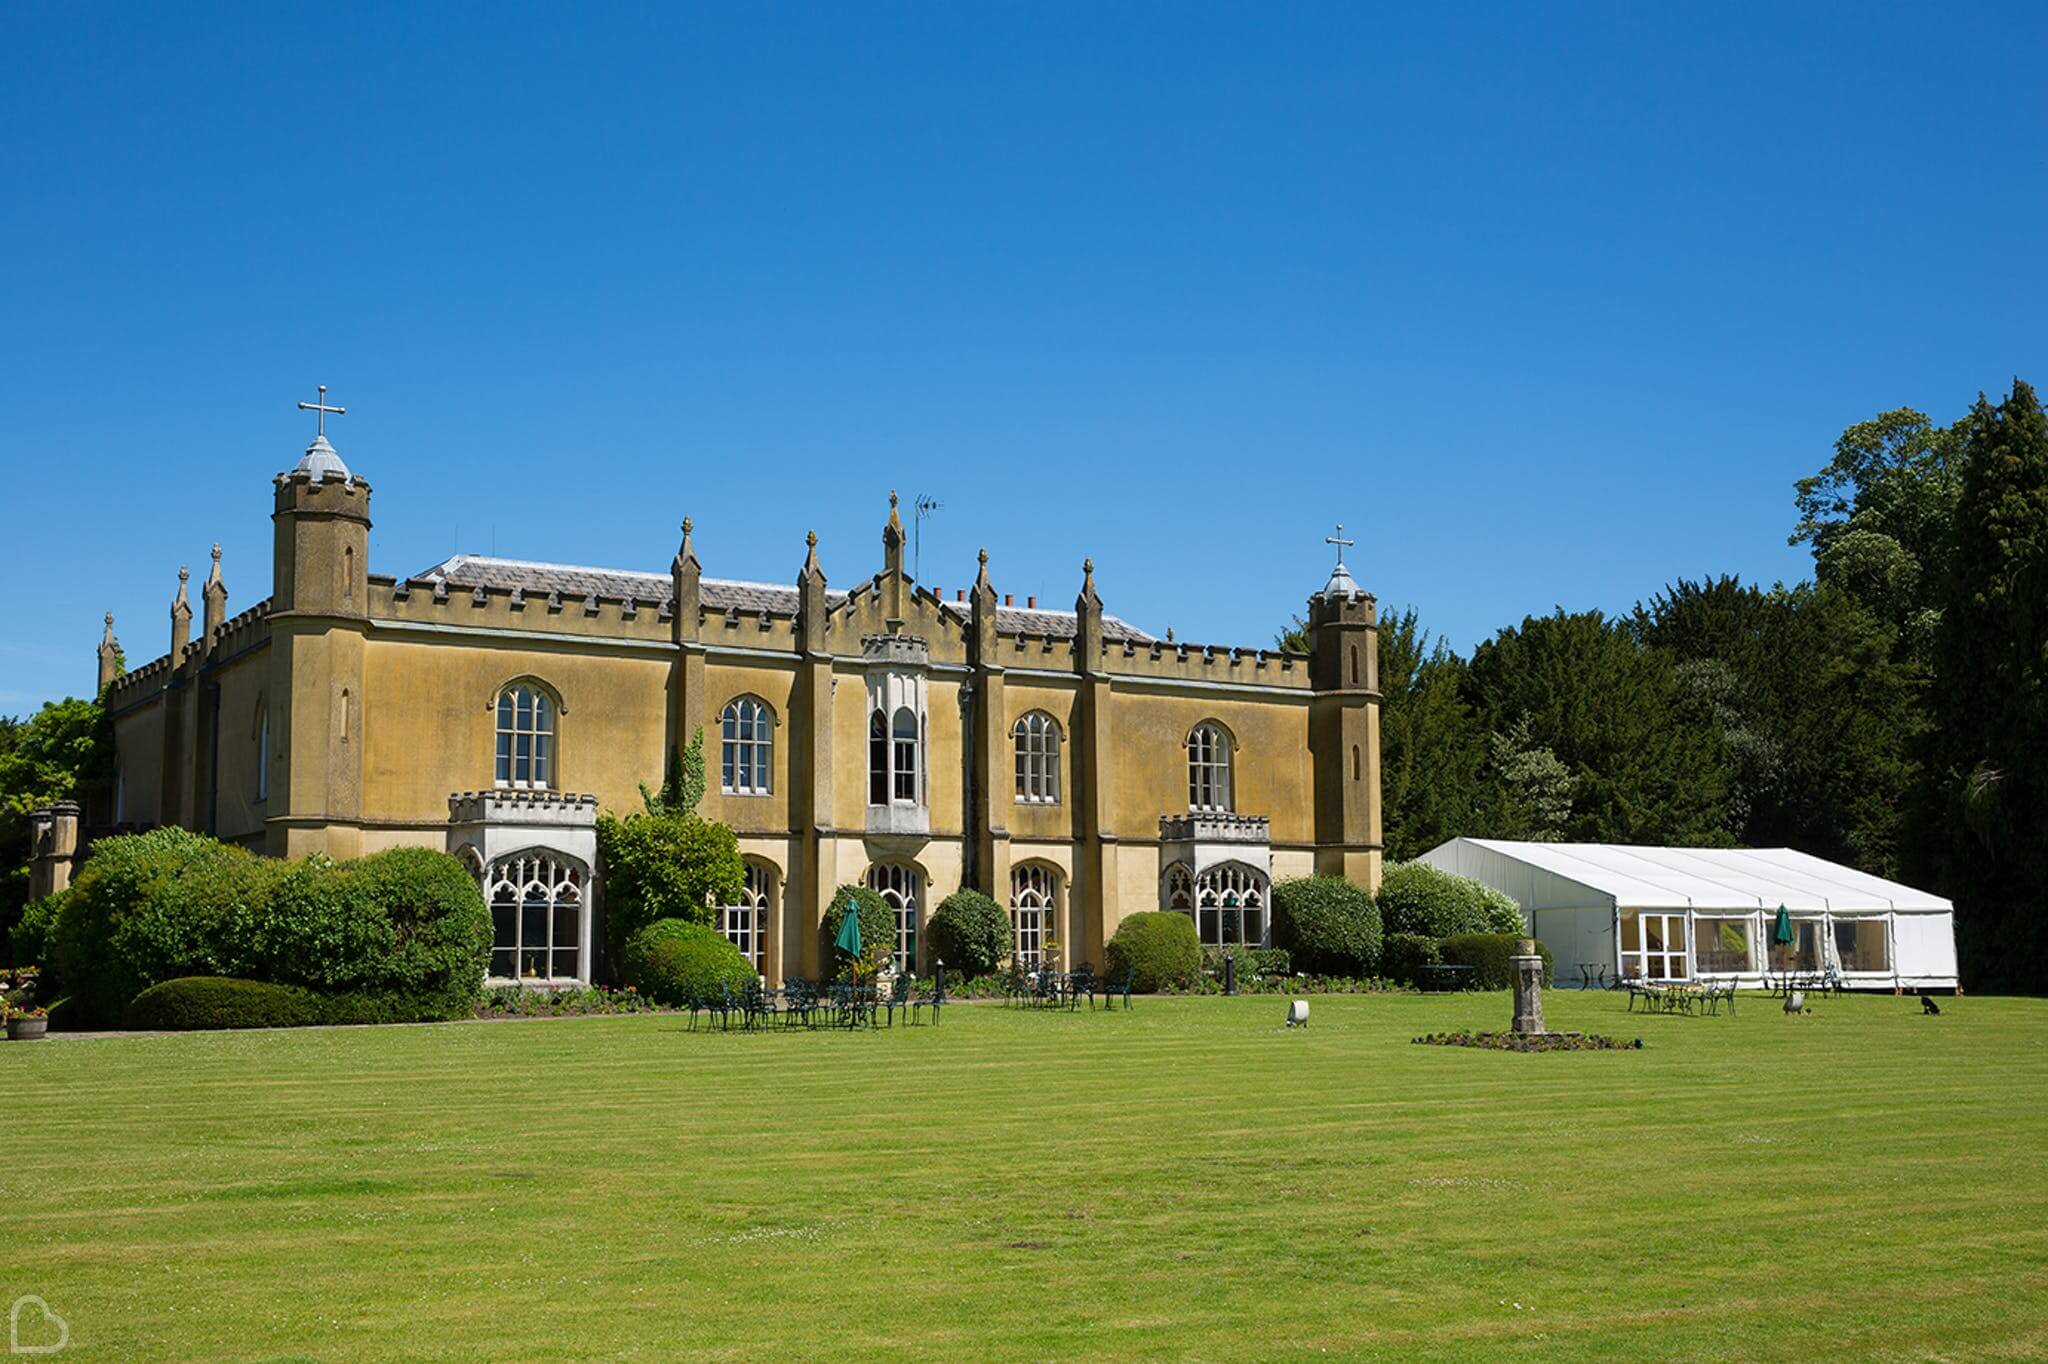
x,y
745,923
1722,946
902,889
1653,946
1033,895
1860,945
1228,902
536,917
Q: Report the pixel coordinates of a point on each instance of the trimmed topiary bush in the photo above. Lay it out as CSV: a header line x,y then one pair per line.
x,y
877,927
1327,925
407,926
1487,954
970,933
1403,956
1158,948
198,1002
672,961
1415,897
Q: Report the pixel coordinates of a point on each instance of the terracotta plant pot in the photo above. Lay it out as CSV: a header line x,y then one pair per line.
x,y
23,1029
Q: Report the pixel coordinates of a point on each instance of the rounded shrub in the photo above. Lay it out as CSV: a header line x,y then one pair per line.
x,y
198,1002
1159,949
1488,955
29,941
1415,897
877,926
673,961
1328,926
1403,956
970,933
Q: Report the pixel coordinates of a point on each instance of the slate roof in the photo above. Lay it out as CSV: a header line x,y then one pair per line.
x,y
719,594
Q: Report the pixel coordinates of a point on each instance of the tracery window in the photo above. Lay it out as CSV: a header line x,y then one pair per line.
x,y
747,729
1037,738
1230,906
902,889
536,917
1208,767
1034,900
526,737
745,923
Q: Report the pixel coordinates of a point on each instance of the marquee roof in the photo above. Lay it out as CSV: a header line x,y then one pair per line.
x,y
1675,878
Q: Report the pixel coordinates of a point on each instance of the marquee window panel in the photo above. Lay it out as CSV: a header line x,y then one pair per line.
x,y
1209,759
526,737
536,917
746,731
1860,945
1037,741
902,889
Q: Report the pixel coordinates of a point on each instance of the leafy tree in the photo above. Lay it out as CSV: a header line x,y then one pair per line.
x,y
682,786
1985,809
1418,899
1647,764
1531,791
1431,745
53,755
665,866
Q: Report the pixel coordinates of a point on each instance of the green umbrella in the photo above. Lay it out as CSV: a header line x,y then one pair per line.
x,y
1781,933
848,940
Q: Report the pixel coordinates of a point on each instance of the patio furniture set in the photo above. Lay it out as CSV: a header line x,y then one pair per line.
x,y
829,1004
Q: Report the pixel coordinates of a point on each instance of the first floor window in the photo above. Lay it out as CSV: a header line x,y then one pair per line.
x,y
901,888
743,769
1033,897
1037,740
526,737
1208,768
903,762
745,924
536,917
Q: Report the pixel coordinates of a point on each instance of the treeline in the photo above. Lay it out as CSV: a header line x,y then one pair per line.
x,y
1882,714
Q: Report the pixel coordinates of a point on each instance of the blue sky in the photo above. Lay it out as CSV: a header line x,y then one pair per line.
x,y
1547,305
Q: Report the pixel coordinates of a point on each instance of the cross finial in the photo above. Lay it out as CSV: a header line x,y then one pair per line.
x,y
322,408
1340,542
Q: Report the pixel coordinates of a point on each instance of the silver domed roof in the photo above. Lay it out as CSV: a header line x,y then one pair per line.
x,y
321,461
1340,584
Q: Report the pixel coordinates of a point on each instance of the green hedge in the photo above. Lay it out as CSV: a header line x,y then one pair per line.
x,y
1415,897
1487,954
406,927
1158,948
29,941
673,962
196,1002
970,933
1405,954
877,927
1251,961
1327,925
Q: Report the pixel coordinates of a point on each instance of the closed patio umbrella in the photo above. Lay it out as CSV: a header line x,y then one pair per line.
x,y
848,940
1781,932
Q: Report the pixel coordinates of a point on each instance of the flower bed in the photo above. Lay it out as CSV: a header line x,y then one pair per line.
x,y
1541,1041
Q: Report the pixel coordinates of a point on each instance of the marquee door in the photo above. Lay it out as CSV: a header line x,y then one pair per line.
x,y
1653,946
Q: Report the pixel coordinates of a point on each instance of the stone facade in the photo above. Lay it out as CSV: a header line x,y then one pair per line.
x,y
879,740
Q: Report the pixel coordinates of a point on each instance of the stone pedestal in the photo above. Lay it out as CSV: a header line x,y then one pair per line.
x,y
1528,968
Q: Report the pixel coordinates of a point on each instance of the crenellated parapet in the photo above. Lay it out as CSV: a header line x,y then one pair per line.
x,y
509,805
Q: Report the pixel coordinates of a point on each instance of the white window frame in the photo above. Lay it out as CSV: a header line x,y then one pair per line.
x,y
539,879
902,889
1232,905
1036,737
745,923
1034,912
525,737
746,747
1210,759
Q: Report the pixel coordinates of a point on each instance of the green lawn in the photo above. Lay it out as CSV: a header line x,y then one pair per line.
x,y
1183,1180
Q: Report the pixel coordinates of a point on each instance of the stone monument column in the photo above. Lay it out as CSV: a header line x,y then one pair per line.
x,y
1528,968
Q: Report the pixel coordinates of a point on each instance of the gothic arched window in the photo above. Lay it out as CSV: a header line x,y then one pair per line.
x,y
1037,738
526,737
1034,902
1230,906
537,907
1209,767
902,889
747,747
903,759
745,923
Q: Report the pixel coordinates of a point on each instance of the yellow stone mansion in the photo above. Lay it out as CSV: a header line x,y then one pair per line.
x,y
1069,764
